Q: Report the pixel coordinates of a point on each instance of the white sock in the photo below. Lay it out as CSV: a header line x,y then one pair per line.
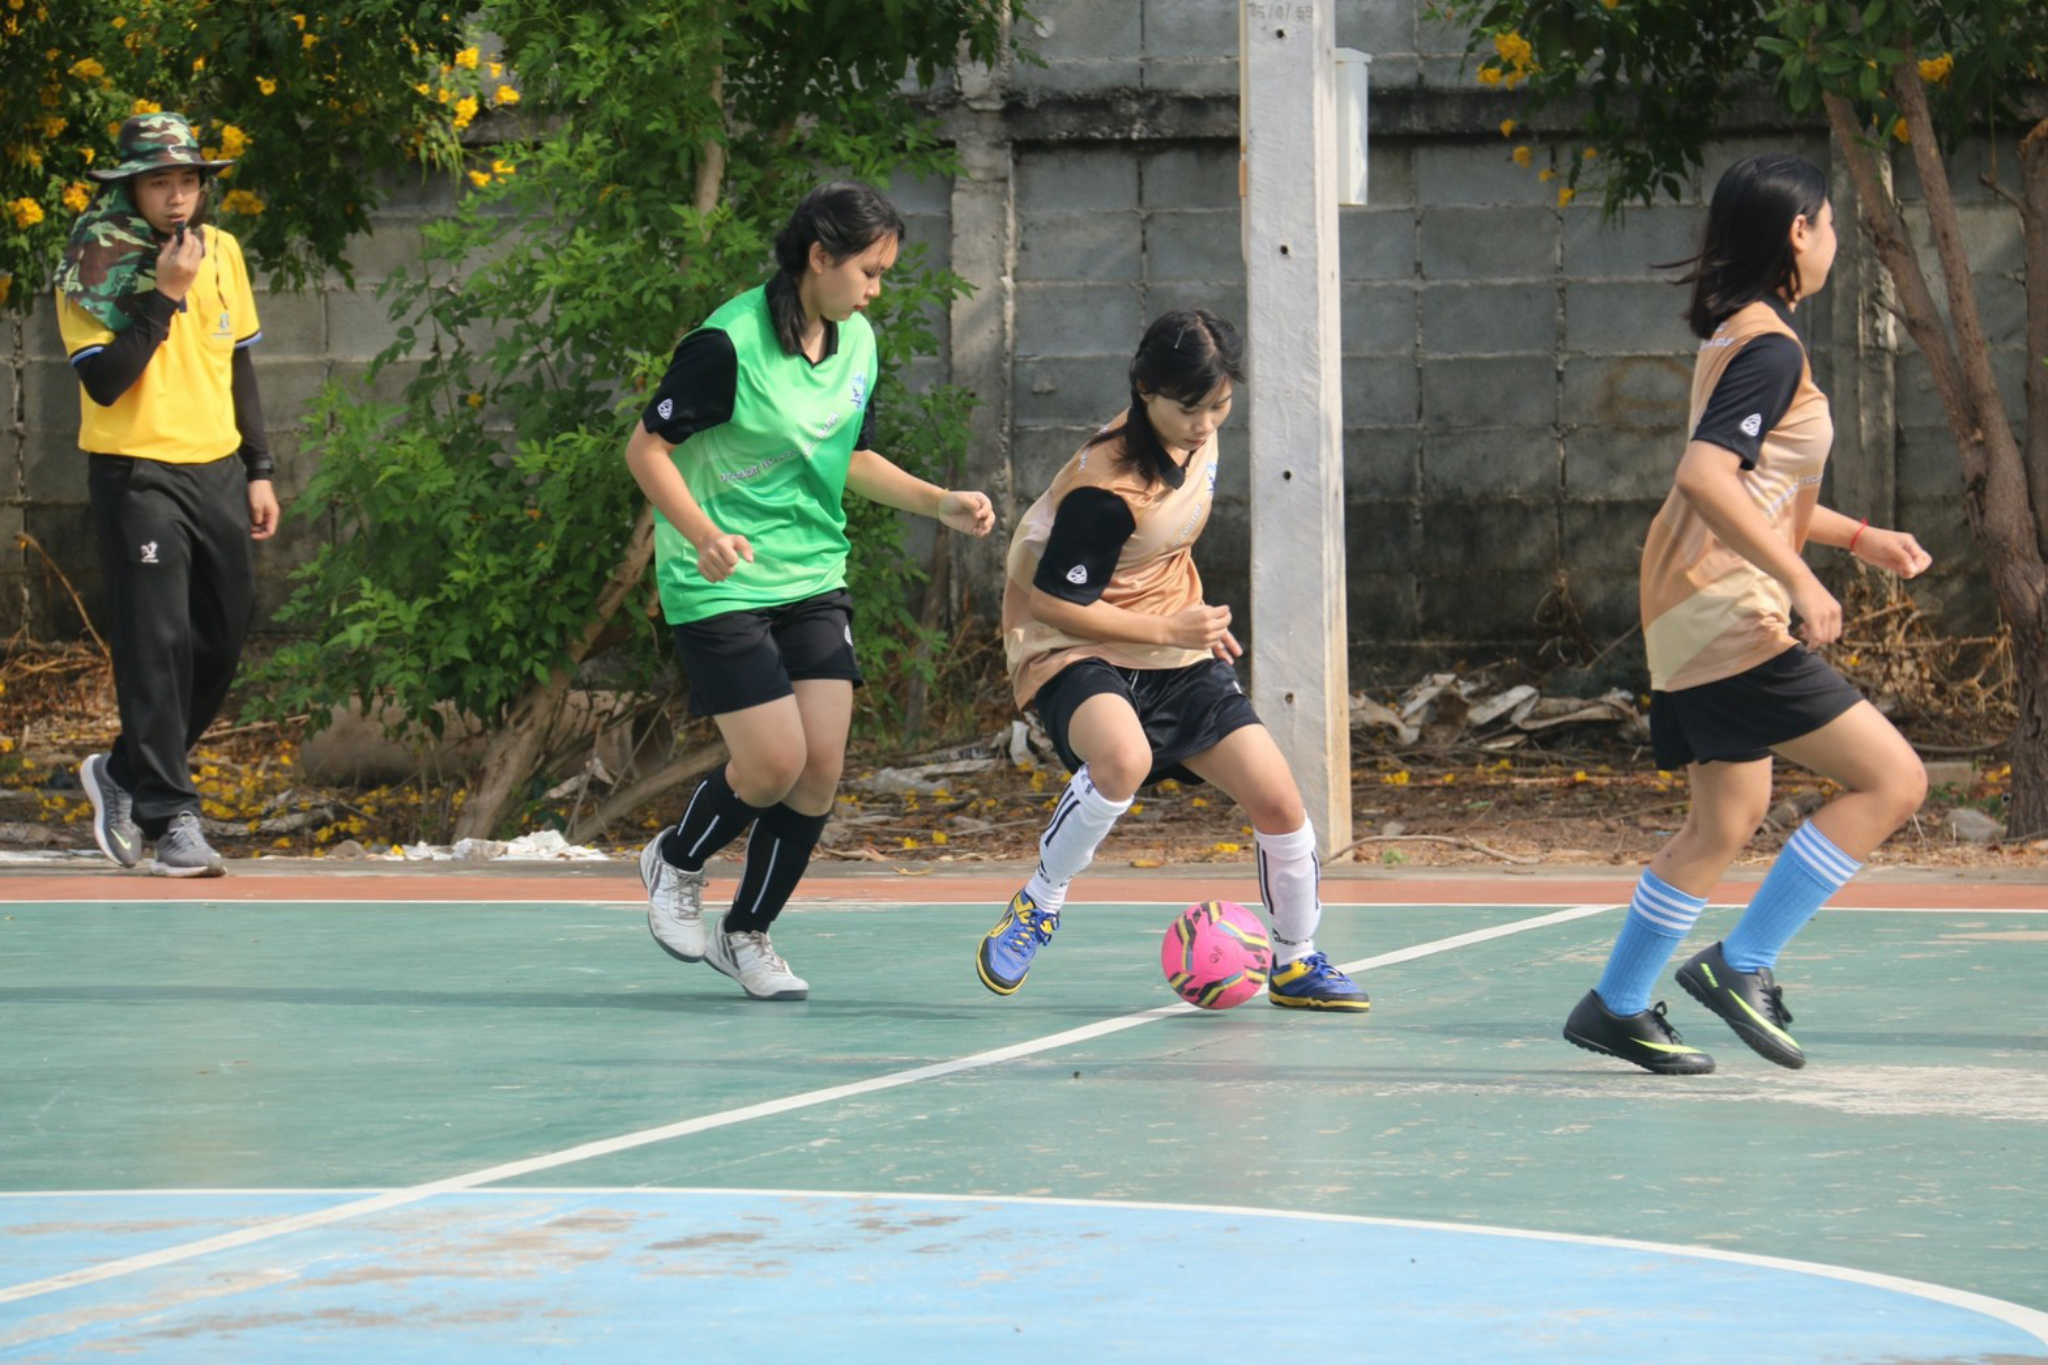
x,y
1079,824
1290,880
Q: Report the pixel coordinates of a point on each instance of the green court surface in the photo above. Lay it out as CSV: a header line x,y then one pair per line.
x,y
416,1053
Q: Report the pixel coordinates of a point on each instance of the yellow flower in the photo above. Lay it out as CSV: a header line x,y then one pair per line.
x,y
1591,153
300,20
146,107
479,178
233,141
938,836
1579,776
497,70
308,40
467,58
1514,49
909,842
1507,127
76,196
506,96
1936,70
266,85
27,212
1566,195
1522,155
1489,75
6,288
88,70
241,202
54,124
1226,848
502,167
199,63
476,400
1546,174
1611,4
1901,131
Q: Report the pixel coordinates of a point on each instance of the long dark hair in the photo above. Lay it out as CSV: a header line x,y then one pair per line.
x,y
846,218
1746,253
1183,356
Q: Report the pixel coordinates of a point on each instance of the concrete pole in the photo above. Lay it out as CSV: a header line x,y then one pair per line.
x,y
1300,672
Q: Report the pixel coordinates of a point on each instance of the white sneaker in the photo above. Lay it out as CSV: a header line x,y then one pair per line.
x,y
750,959
675,903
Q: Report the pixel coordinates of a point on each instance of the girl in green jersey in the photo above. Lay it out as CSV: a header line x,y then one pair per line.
x,y
763,421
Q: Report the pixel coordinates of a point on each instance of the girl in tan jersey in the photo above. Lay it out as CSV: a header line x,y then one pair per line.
x,y
1732,680
1108,636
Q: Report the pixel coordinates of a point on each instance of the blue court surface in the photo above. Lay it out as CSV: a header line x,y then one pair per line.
x,y
293,1130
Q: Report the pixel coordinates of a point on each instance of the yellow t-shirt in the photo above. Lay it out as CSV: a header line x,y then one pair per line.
x,y
182,409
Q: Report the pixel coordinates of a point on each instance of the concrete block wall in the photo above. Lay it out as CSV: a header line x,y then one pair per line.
x,y
1515,375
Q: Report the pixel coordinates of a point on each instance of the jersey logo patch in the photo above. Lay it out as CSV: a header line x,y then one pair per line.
x,y
860,389
1078,575
225,329
148,548
665,409
1752,424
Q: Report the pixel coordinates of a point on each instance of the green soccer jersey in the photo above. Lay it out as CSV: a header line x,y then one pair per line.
x,y
763,438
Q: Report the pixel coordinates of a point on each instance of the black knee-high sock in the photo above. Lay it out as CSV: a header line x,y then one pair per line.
x,y
713,819
778,851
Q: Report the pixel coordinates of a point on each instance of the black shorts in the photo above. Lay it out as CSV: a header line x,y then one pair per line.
x,y
1740,719
739,659
1185,711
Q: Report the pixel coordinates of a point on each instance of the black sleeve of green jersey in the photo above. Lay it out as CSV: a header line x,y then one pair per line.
x,y
867,428
698,391
1088,533
1753,395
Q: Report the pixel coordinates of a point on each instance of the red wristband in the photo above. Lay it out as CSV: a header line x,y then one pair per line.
x,y
1861,527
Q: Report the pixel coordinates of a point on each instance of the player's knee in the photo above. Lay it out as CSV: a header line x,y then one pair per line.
x,y
1903,793
1118,770
769,778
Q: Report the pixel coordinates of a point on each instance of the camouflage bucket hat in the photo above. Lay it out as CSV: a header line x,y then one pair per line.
x,y
152,142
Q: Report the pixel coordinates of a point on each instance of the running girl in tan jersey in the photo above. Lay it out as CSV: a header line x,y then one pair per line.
x,y
1723,583
1109,637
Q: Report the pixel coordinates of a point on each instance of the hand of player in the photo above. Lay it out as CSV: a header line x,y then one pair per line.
x,y
1199,627
967,512
263,510
1894,550
720,555
177,265
1227,648
1820,615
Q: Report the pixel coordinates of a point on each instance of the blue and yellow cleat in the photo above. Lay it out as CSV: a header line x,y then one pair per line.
x,y
1311,983
1006,952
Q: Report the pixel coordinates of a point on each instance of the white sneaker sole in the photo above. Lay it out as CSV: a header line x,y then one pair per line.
x,y
158,869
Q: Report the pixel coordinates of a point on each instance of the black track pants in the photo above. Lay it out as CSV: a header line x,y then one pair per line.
x,y
174,550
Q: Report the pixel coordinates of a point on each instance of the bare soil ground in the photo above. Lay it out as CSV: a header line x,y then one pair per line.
x,y
1576,796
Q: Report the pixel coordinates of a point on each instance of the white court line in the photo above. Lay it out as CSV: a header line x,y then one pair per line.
x,y
587,1151
835,906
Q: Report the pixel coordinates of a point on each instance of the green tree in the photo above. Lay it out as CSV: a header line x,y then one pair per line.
x,y
1652,83
313,104
494,539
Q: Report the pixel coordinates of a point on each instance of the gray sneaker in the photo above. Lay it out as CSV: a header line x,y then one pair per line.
x,y
184,852
113,812
675,903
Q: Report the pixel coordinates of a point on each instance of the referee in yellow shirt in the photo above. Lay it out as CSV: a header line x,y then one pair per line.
x,y
157,317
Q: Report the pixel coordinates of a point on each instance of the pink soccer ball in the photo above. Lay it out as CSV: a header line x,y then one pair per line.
x,y
1216,955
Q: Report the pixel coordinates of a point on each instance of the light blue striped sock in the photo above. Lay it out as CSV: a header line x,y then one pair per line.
x,y
1810,870
1659,917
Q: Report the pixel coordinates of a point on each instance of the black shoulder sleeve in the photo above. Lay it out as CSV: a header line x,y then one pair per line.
x,y
112,370
1752,396
868,435
255,451
1088,533
699,389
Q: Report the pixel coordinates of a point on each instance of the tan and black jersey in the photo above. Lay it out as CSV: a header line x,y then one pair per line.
x,y
1708,613
1152,569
